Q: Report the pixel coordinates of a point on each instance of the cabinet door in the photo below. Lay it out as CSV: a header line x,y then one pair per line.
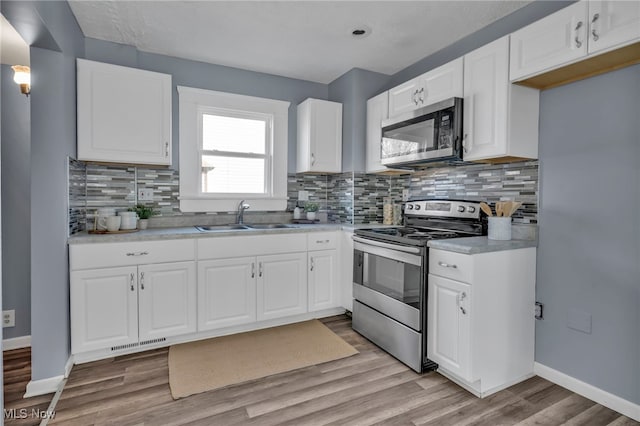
x,y
613,23
167,299
226,292
282,285
404,98
324,290
442,83
124,114
319,136
104,308
486,86
377,110
448,331
552,41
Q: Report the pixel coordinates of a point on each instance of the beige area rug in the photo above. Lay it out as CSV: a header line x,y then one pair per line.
x,y
214,363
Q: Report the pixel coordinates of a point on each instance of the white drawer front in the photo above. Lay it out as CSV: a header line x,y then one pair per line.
x,y
225,247
322,240
105,255
452,265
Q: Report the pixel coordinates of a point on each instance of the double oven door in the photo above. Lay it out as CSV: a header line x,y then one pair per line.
x,y
389,289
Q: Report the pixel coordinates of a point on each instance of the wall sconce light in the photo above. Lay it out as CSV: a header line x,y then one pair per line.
x,y
22,76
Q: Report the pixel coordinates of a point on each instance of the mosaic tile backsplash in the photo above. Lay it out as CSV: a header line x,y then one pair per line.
x,y
352,198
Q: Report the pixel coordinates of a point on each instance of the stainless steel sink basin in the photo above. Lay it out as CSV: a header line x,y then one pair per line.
x,y
271,226
221,228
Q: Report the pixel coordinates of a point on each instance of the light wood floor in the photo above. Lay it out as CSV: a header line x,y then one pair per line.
x,y
368,388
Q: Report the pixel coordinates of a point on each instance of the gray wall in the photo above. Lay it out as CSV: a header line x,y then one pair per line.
x,y
213,77
589,247
353,89
53,138
16,183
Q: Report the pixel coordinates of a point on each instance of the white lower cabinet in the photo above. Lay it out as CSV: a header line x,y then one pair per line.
x,y
282,285
226,292
480,328
116,307
450,315
324,284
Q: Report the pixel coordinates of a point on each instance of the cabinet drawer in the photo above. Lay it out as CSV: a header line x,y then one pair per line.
x,y
322,240
240,246
104,255
452,265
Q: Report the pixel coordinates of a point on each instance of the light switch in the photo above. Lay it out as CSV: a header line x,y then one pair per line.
x,y
579,320
145,194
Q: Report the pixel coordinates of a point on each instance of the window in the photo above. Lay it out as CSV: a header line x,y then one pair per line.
x,y
232,147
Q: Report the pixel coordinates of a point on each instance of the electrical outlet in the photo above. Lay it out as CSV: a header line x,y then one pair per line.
x,y
303,195
539,311
9,318
405,195
145,194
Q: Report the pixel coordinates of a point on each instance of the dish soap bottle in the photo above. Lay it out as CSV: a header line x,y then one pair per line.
x,y
297,212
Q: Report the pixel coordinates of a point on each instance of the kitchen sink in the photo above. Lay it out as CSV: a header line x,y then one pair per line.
x,y
271,226
221,228
236,227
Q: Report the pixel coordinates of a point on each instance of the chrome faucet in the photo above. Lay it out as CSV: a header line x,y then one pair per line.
x,y
242,206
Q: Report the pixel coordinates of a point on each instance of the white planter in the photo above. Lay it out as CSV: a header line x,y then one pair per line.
x,y
143,223
311,215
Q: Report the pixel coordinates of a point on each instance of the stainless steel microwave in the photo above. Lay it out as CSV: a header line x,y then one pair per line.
x,y
429,134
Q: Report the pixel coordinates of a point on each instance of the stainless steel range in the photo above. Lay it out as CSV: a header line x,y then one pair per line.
x,y
390,274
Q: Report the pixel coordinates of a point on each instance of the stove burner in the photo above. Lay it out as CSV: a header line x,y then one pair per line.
x,y
431,235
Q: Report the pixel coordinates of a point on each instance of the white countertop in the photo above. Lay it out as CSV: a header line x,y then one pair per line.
x,y
474,245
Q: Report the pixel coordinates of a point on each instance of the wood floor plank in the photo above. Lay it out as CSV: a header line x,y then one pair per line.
x,y
369,388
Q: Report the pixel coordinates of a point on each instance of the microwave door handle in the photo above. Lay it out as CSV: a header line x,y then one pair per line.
x,y
413,250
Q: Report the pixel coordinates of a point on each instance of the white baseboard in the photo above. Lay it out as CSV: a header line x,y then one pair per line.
x,y
44,386
68,366
16,343
600,396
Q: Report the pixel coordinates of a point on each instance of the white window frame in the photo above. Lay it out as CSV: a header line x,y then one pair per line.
x,y
192,104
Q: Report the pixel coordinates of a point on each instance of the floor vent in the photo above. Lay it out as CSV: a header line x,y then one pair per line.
x,y
151,342
121,347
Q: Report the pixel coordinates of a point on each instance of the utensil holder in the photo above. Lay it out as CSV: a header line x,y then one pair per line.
x,y
499,228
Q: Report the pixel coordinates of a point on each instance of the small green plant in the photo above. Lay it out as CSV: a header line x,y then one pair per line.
x,y
145,212
311,207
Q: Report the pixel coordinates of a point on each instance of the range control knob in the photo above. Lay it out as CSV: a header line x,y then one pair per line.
x,y
461,209
417,207
409,206
471,209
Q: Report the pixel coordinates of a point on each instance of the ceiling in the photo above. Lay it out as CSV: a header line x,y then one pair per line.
x,y
309,40
13,49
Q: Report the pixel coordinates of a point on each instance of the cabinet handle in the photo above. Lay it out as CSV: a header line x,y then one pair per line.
x,y
464,312
166,149
421,95
253,270
413,97
459,298
464,143
139,253
260,269
131,278
312,264
322,241
141,280
448,265
577,39
594,32
313,159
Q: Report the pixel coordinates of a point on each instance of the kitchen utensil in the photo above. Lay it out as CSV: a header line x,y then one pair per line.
x,y
485,208
506,208
514,206
499,209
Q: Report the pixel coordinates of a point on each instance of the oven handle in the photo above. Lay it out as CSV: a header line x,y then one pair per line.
x,y
413,250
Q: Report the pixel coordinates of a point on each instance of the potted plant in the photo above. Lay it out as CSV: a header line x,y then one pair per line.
x,y
144,213
311,209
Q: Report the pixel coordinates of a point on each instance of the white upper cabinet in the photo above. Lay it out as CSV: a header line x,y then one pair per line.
x,y
431,87
551,41
613,23
377,110
319,136
124,114
500,119
573,34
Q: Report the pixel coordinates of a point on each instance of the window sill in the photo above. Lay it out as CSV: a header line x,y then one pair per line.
x,y
193,205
